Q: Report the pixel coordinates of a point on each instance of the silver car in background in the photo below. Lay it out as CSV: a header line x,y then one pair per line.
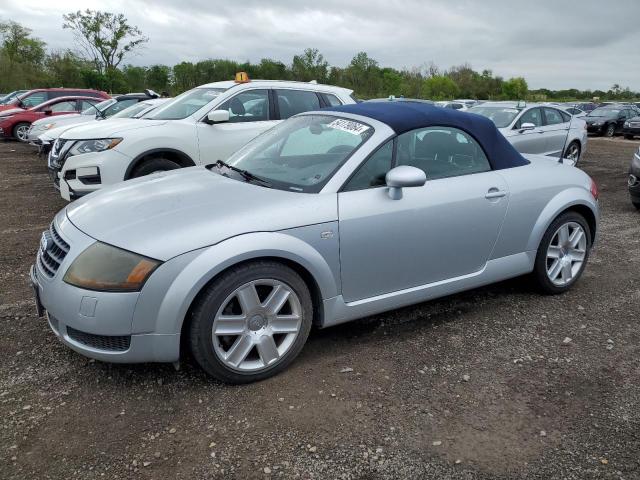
x,y
330,216
538,129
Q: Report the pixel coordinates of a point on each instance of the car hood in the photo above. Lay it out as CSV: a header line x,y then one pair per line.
x,y
110,128
170,213
592,118
67,117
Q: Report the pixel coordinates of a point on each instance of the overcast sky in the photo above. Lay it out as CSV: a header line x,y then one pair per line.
x,y
556,44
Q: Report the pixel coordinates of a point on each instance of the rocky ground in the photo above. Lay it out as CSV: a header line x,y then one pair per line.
x,y
499,382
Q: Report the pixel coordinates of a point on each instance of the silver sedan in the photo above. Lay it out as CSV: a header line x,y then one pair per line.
x,y
328,217
540,129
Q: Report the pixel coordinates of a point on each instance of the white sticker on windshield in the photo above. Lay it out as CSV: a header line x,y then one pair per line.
x,y
355,128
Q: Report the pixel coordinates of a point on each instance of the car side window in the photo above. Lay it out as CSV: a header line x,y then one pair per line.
x,y
373,171
531,116
248,106
66,106
331,99
34,99
292,102
552,116
441,152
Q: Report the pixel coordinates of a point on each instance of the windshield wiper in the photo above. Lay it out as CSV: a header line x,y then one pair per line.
x,y
248,176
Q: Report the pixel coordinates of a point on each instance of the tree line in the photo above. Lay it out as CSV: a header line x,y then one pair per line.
x,y
104,40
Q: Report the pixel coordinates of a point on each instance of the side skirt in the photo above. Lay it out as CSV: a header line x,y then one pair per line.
x,y
337,311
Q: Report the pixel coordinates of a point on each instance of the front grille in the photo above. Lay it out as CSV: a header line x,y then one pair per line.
x,y
58,153
52,251
112,343
634,124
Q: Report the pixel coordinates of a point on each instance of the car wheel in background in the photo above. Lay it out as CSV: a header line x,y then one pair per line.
x,y
610,130
20,131
573,152
637,205
251,322
154,165
563,253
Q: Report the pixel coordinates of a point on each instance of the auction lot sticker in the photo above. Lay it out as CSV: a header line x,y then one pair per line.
x,y
355,128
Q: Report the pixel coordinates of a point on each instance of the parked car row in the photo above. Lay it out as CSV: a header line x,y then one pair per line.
x,y
334,211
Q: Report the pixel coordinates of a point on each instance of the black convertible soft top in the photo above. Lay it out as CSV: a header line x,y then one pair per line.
x,y
407,115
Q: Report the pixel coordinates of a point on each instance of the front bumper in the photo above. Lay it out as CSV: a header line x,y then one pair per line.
x,y
80,175
599,129
96,324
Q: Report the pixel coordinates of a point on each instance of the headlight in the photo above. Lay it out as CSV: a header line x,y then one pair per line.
x,y
107,268
96,145
627,124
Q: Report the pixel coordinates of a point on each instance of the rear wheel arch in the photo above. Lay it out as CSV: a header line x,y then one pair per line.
x,y
177,156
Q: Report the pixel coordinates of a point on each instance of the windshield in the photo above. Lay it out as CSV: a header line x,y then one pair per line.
x,y
500,116
100,106
132,111
302,153
186,104
604,112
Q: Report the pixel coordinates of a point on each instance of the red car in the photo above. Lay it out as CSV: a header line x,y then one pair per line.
x,y
15,124
35,97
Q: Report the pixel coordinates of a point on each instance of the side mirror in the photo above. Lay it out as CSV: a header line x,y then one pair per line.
x,y
404,176
48,111
526,127
218,116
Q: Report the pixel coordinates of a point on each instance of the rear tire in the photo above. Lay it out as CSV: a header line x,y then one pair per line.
x,y
573,152
154,165
571,253
251,322
20,131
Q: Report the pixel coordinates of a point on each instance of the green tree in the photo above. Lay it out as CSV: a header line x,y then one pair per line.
x,y
19,46
440,87
311,65
135,78
104,38
64,69
158,78
515,89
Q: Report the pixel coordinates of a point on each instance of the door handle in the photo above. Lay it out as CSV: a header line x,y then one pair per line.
x,y
495,193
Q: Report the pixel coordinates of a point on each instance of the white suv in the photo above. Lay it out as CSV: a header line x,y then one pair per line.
x,y
200,126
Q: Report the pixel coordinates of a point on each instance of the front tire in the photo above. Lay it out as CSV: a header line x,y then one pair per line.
x,y
251,322
153,165
610,130
563,253
20,131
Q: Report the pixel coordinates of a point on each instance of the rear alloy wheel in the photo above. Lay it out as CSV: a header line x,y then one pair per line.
x,y
573,152
610,130
251,322
20,131
563,253
154,165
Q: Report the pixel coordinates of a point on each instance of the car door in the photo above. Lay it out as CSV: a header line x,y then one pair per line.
x,y
623,116
250,113
442,230
528,141
555,130
63,107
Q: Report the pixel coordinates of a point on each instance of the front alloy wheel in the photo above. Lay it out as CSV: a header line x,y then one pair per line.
x,y
610,130
251,322
21,131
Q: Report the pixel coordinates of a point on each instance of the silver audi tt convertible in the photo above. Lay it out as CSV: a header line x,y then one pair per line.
x,y
330,216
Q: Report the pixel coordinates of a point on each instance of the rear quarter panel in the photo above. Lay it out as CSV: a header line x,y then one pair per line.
x,y
538,193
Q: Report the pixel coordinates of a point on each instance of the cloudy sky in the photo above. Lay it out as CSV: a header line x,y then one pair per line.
x,y
554,44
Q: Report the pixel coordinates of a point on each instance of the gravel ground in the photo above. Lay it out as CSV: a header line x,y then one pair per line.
x,y
499,382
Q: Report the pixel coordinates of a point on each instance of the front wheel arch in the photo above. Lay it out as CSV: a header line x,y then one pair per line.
x,y
172,154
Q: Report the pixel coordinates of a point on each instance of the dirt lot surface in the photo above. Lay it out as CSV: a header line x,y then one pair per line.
x,y
499,382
